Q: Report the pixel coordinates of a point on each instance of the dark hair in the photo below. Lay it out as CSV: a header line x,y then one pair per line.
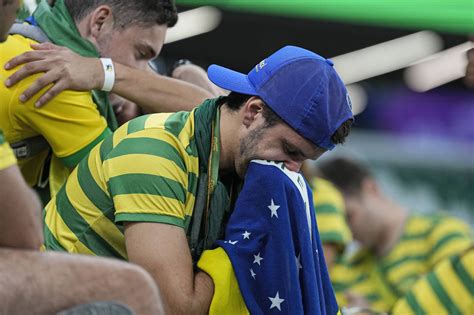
x,y
126,12
234,102
346,174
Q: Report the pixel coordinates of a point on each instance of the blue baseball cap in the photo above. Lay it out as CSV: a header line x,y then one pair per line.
x,y
301,87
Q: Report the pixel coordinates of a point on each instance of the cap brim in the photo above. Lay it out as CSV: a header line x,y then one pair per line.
x,y
230,80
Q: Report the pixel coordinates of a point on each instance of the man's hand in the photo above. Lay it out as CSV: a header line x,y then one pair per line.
x,y
61,66
163,251
197,76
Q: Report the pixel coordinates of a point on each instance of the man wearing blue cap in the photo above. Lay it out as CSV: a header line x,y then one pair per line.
x,y
159,191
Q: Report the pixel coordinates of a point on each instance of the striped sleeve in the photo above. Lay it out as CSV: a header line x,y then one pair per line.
x,y
7,158
449,236
448,289
147,178
330,214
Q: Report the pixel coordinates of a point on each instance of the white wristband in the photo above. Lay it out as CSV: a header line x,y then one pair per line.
x,y
109,74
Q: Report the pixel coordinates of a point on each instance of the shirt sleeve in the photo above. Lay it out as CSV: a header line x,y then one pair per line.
x,y
147,179
450,236
71,122
7,158
330,214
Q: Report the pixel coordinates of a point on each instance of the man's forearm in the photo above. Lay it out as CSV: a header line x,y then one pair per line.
x,y
155,93
20,212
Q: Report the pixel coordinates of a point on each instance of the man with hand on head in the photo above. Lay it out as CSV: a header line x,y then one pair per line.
x,y
160,189
50,141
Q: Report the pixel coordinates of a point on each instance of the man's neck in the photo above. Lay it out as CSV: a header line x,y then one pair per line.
x,y
391,228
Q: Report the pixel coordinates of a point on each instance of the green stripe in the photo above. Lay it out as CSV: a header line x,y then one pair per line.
x,y
442,295
332,237
2,139
191,149
106,146
81,228
93,191
373,297
50,242
72,160
386,267
149,146
147,184
149,217
446,239
137,124
325,208
176,122
462,274
413,303
192,183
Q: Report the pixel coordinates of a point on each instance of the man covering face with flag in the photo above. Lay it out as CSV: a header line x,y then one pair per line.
x,y
271,261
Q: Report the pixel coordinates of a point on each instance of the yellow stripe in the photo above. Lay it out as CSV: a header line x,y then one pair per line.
x,y
453,247
62,233
447,227
451,283
427,299
145,164
94,217
94,164
468,262
149,204
405,269
190,200
187,130
157,120
407,248
418,225
119,134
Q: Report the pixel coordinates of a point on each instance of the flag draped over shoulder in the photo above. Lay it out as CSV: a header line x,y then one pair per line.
x,y
273,244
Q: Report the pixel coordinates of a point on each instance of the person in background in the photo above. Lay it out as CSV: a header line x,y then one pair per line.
x,y
47,283
397,247
330,214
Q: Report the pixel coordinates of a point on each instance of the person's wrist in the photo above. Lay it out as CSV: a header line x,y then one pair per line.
x,y
109,74
177,64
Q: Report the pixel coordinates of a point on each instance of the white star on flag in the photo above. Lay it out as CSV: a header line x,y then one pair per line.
x,y
276,301
273,208
257,259
246,235
298,262
253,274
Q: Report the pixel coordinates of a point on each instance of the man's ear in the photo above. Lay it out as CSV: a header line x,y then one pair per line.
x,y
251,109
101,21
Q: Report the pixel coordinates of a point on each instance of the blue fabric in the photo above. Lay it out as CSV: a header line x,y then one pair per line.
x,y
271,232
301,87
31,20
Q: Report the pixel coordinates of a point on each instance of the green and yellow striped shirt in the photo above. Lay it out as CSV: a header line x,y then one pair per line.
x,y
383,280
448,289
7,158
330,213
145,172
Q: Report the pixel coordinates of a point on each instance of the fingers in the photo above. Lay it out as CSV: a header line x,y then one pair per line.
x,y
25,71
49,94
26,57
40,84
46,46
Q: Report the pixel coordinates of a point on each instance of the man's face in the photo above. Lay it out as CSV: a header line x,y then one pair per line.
x,y
134,45
360,215
277,143
8,10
